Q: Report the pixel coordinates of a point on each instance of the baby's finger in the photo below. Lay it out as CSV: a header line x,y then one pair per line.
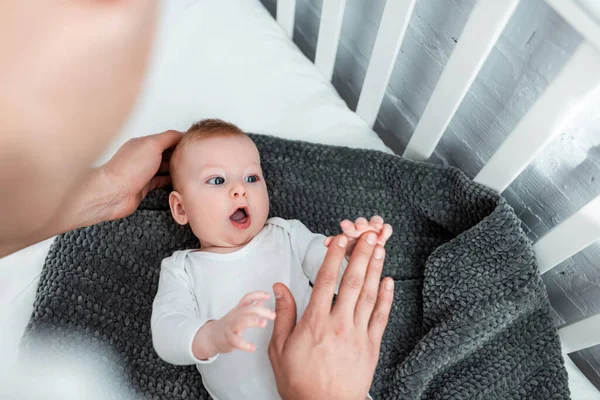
x,y
361,223
259,311
385,234
352,231
239,343
347,226
376,222
328,240
248,321
253,296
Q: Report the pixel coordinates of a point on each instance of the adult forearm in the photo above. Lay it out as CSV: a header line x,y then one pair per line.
x,y
44,203
93,201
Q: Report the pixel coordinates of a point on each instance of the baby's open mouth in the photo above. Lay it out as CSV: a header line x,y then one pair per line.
x,y
240,218
239,215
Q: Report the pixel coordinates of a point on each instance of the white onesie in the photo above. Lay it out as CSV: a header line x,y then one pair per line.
x,y
196,286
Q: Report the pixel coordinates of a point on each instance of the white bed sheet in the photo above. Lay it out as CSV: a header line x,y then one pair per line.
x,y
227,59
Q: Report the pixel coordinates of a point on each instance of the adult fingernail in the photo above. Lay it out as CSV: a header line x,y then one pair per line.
x,y
378,253
389,284
277,292
371,238
342,241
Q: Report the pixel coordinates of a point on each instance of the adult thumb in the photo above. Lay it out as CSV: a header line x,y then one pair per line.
x,y
285,320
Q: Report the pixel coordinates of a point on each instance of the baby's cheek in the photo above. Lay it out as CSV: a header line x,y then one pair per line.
x,y
261,206
205,225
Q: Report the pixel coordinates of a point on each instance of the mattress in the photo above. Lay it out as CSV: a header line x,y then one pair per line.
x,y
227,59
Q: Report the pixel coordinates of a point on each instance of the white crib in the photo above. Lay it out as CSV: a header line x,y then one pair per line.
x,y
560,102
296,100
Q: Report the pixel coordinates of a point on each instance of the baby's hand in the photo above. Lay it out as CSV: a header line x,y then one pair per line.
x,y
250,312
353,230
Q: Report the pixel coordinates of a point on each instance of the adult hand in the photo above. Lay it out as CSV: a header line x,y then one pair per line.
x,y
110,192
132,171
331,353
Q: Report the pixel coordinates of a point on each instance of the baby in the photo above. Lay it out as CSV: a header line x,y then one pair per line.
x,y
213,307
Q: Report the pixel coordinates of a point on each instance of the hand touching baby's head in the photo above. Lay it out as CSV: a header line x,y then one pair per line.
x,y
218,185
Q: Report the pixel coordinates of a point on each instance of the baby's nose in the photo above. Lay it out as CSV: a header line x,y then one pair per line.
x,y
239,191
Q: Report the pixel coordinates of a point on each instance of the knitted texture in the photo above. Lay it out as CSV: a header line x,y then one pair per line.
x,y
470,318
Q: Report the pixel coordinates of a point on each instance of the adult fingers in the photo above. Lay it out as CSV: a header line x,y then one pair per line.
x,y
168,139
368,295
164,167
258,310
354,276
325,283
253,296
381,313
285,310
385,234
166,155
159,181
156,182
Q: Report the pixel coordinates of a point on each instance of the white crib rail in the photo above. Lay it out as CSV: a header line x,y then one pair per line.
x,y
392,28
484,26
580,335
286,14
574,13
330,27
563,99
574,234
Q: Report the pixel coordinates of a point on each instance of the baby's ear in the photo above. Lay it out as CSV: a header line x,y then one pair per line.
x,y
177,210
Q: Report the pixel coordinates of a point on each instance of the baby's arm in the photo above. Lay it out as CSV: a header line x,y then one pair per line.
x,y
181,335
312,247
225,334
311,250
176,320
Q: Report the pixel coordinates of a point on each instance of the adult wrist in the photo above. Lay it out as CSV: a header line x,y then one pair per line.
x,y
93,201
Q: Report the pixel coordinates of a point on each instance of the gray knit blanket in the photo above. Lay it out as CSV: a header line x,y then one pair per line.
x,y
470,318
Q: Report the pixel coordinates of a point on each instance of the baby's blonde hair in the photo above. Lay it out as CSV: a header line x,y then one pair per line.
x,y
206,128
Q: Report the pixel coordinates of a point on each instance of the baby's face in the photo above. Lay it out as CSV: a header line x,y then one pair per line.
x,y
222,190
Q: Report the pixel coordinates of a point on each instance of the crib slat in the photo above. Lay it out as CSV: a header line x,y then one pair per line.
x,y
580,335
286,12
484,26
579,18
563,99
574,234
330,27
394,22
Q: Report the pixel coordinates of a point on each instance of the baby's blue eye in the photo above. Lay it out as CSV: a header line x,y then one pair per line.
x,y
251,178
216,181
